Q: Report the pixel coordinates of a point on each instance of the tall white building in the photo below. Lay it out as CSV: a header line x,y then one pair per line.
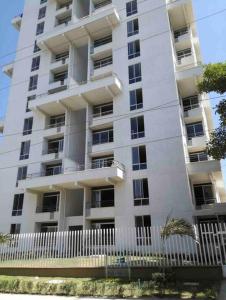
x,y
105,127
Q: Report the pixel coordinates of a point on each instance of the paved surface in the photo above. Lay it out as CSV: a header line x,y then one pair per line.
x,y
222,295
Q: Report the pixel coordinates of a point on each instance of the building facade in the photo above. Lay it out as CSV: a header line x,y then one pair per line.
x,y
105,127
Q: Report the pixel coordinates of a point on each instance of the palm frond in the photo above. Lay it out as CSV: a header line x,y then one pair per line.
x,y
177,227
4,238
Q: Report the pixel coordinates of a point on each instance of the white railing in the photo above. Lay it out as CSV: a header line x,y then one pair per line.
x,y
121,247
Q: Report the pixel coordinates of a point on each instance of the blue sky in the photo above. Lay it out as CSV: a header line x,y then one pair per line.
x,y
211,32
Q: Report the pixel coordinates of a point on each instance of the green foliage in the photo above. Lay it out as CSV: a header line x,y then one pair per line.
x,y
216,147
4,238
177,227
214,79
102,287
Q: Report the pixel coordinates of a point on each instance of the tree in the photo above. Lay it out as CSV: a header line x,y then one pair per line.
x,y
214,80
4,238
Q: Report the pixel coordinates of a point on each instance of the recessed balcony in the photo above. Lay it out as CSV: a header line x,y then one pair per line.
x,y
8,69
16,21
211,209
58,86
101,47
180,13
76,97
102,67
79,30
41,216
207,166
194,114
75,178
100,213
197,142
1,125
63,9
59,64
183,38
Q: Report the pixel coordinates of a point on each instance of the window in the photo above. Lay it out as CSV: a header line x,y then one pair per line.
x,y
35,63
61,56
22,173
50,202
48,227
137,127
143,229
55,145
36,48
190,102
198,156
51,170
43,1
40,28
103,136
102,197
30,98
139,158
136,99
103,62
131,8
61,76
57,121
24,150
15,228
133,49
135,73
28,126
140,192
42,13
132,27
204,194
102,162
182,54
18,205
33,83
102,110
194,130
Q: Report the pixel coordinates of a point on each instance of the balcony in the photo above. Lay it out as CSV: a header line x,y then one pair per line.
x,y
207,166
76,97
183,38
180,13
101,48
60,64
43,216
99,213
64,8
75,178
8,69
1,125
58,86
194,114
102,68
16,21
107,17
210,209
197,142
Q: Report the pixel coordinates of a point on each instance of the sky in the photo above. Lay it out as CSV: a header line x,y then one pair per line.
x,y
211,31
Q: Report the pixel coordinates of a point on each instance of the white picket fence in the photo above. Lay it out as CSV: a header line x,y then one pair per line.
x,y
113,248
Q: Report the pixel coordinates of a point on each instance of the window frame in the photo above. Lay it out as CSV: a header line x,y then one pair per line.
x,y
33,83
42,12
134,95
137,123
18,202
132,27
135,73
141,188
35,64
131,8
133,49
40,28
136,166
25,150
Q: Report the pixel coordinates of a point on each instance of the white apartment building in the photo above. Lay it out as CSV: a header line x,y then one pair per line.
x,y
105,127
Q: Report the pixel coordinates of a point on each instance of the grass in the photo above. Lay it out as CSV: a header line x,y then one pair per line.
x,y
106,288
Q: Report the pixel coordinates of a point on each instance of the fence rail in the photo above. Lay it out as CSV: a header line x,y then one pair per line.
x,y
113,248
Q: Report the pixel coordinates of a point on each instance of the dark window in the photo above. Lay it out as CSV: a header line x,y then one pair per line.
x,y
51,170
35,63
48,227
24,150
50,202
40,28
22,173
18,205
28,123
132,27
198,156
131,8
204,194
182,54
61,76
55,145
15,228
103,197
57,121
139,158
133,49
30,98
103,109
194,130
143,229
43,1
137,127
135,73
190,102
140,192
136,99
42,13
33,83
103,136
36,48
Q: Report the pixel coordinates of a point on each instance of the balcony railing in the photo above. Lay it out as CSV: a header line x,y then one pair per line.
x,y
103,110
105,136
103,62
47,209
102,41
66,4
182,54
100,204
56,170
180,32
195,134
102,163
102,3
202,156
